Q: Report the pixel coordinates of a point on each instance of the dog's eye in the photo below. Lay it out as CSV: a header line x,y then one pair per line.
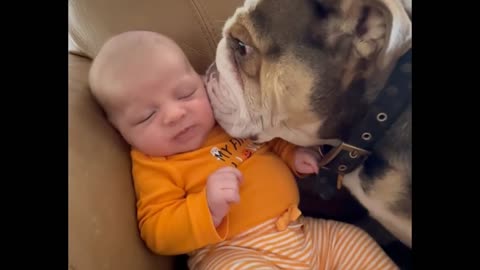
x,y
240,47
245,56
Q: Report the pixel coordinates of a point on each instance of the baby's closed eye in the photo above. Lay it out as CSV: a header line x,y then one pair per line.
x,y
187,93
146,117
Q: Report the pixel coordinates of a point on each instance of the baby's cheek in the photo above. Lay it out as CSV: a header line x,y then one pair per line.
x,y
152,141
142,140
204,107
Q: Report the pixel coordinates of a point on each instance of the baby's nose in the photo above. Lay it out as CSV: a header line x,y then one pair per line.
x,y
174,115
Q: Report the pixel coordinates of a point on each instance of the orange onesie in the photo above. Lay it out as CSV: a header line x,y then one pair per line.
x,y
171,200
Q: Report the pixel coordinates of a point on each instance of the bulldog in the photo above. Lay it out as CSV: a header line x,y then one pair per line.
x,y
319,73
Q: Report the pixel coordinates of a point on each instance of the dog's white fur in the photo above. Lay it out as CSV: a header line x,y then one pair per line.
x,y
401,228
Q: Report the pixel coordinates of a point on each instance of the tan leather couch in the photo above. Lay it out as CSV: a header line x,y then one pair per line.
x,y
103,230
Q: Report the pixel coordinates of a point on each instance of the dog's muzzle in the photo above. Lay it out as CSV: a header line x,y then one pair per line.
x,y
228,105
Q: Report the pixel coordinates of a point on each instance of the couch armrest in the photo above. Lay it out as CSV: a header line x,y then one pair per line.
x,y
103,230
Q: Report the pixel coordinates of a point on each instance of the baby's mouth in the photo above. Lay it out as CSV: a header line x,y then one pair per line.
x,y
183,134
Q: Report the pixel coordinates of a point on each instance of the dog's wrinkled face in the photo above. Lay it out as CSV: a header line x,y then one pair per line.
x,y
294,68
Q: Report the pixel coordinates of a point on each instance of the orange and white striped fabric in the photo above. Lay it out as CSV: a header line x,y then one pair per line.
x,y
307,243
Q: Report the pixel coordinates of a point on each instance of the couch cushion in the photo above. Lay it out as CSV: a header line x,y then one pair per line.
x,y
194,24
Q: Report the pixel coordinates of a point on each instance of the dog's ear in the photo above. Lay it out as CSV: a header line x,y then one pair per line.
x,y
376,32
398,37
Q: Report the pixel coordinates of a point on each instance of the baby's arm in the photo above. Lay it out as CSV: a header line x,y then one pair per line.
x,y
172,222
301,160
285,150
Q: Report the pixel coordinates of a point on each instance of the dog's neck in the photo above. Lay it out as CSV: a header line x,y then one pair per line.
x,y
379,125
362,96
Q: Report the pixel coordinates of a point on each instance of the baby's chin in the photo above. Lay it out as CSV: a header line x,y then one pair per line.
x,y
191,146
161,152
174,148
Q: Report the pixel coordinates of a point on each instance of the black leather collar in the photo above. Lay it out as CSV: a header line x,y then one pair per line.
x,y
350,154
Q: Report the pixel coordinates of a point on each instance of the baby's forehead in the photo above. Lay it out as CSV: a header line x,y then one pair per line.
x,y
129,59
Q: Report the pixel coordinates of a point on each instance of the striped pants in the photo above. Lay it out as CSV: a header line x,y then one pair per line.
x,y
307,243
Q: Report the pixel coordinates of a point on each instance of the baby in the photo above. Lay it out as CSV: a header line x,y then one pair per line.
x,y
224,201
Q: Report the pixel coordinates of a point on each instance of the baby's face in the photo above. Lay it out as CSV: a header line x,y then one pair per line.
x,y
164,109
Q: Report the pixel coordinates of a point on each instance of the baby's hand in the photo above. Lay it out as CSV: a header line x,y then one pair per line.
x,y
222,189
306,160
